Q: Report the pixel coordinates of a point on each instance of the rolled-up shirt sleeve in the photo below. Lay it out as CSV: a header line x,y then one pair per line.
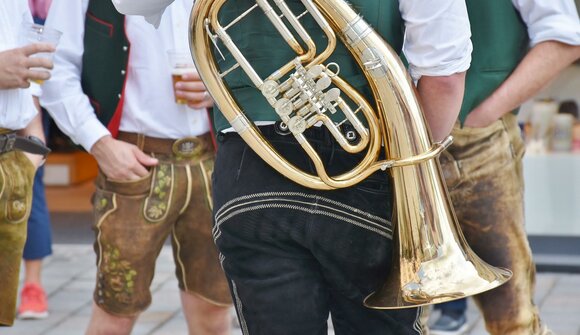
x,y
437,37
63,95
152,10
550,20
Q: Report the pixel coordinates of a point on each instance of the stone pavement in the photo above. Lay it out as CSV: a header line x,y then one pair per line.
x,y
68,277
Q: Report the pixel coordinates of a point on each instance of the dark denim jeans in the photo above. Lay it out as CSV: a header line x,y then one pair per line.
x,y
293,255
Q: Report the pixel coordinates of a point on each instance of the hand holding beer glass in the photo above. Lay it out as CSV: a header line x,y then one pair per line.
x,y
187,85
41,41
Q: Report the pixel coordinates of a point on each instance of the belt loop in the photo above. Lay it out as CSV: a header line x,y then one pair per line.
x,y
140,141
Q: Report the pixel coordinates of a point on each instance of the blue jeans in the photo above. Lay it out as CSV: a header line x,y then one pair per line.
x,y
458,306
291,254
39,236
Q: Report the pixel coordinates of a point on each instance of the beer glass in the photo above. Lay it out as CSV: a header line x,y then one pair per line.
x,y
35,33
180,63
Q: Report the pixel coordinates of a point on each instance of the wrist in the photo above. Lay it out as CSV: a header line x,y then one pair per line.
x,y
100,145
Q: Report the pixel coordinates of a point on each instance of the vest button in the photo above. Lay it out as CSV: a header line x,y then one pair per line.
x,y
119,95
123,72
125,48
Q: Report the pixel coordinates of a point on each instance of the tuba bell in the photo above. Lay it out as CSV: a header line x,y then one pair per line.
x,y
432,261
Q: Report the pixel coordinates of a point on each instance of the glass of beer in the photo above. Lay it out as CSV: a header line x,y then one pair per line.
x,y
180,63
36,33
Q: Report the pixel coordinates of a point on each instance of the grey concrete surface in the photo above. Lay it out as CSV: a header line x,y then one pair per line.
x,y
69,273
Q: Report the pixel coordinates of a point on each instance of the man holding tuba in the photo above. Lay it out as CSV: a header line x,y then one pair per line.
x,y
292,254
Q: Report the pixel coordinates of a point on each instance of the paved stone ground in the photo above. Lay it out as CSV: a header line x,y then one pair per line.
x,y
69,273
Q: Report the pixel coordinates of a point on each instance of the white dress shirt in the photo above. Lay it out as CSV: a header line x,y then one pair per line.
x,y
550,20
437,39
149,106
16,106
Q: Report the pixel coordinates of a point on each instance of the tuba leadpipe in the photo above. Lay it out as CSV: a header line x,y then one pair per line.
x,y
432,261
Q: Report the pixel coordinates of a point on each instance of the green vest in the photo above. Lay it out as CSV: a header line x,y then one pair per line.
x,y
500,41
266,50
105,61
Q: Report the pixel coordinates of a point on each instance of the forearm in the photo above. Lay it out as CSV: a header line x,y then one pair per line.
x,y
75,117
540,66
441,99
34,128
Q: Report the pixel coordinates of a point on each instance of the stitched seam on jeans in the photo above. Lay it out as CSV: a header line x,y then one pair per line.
x,y
217,231
304,195
358,215
243,323
221,258
417,325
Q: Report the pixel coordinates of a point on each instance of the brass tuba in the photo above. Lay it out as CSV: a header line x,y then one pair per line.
x,y
432,261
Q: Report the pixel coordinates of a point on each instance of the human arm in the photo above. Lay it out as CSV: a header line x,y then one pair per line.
x,y
121,160
540,66
441,98
554,31
438,48
69,106
15,71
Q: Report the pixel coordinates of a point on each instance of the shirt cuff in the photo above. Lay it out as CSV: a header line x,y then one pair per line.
x,y
446,69
90,132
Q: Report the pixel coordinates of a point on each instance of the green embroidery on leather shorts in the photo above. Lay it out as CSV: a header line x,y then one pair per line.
x,y
119,274
157,203
102,202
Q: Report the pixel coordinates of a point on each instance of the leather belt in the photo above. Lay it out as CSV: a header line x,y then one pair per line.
x,y
11,141
186,147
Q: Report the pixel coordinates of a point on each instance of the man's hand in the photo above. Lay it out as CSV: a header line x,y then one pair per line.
x,y
193,90
479,118
15,65
121,160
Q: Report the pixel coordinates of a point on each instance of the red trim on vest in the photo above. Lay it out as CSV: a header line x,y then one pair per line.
x,y
115,121
103,22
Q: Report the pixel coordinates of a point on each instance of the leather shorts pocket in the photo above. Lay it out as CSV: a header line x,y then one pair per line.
x,y
16,180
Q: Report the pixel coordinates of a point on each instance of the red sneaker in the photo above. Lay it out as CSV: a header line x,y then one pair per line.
x,y
33,303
